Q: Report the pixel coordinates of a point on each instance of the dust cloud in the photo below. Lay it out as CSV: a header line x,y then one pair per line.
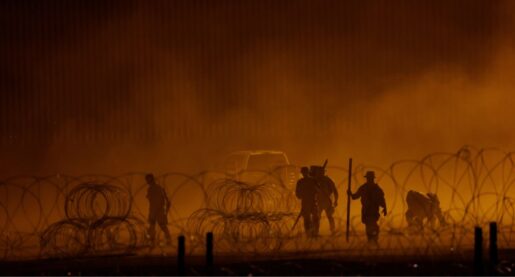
x,y
133,86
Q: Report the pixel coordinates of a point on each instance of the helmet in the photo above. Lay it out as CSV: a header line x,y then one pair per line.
x,y
370,174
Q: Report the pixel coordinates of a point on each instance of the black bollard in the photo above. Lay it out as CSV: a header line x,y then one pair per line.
x,y
181,253
209,253
478,251
494,256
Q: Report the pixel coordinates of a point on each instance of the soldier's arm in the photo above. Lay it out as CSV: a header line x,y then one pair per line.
x,y
356,195
383,203
335,191
168,204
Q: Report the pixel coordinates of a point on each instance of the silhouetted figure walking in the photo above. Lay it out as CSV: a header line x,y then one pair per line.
x,y
327,188
159,204
372,197
306,191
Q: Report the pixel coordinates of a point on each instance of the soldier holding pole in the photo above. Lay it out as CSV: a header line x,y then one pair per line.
x,y
372,198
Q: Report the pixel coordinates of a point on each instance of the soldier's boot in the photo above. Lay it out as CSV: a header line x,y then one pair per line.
x,y
308,226
168,237
316,228
332,225
372,230
151,235
168,240
316,224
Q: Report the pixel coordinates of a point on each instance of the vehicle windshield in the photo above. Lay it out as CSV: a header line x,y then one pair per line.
x,y
266,161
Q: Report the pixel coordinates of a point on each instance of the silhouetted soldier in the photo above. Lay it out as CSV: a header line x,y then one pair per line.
x,y
306,191
327,188
158,209
372,197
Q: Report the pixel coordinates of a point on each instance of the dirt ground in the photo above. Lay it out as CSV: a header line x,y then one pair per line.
x,y
297,264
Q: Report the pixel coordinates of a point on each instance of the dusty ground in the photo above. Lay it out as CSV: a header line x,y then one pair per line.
x,y
298,264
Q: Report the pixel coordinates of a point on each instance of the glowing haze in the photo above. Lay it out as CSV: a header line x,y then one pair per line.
x,y
118,86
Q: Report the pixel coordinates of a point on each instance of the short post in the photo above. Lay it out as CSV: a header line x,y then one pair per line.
x,y
478,251
181,253
494,256
209,252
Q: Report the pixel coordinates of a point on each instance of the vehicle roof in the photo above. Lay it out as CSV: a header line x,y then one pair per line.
x,y
248,153
256,152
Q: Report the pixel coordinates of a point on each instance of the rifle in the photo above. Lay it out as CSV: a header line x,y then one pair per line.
x,y
296,221
325,164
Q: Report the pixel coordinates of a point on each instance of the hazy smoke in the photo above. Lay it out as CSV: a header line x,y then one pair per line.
x,y
135,86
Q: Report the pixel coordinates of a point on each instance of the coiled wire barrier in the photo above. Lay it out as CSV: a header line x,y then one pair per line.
x,y
254,212
97,221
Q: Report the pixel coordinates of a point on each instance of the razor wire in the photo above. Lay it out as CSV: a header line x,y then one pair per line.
x,y
253,212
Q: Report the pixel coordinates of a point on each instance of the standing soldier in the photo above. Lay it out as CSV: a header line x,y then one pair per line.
x,y
327,188
372,197
159,204
306,191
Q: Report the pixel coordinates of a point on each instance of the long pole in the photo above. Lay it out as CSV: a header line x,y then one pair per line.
x,y
348,201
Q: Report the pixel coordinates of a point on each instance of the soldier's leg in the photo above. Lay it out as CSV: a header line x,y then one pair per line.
x,y
372,230
329,213
316,222
368,231
151,232
374,234
419,223
308,225
164,228
409,218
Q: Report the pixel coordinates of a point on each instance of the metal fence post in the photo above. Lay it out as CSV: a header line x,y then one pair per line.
x,y
494,254
209,253
181,253
478,251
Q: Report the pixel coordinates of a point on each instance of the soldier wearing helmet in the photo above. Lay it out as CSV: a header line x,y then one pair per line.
x,y
306,191
372,198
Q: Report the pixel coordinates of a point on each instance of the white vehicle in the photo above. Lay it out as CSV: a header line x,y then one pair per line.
x,y
261,166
